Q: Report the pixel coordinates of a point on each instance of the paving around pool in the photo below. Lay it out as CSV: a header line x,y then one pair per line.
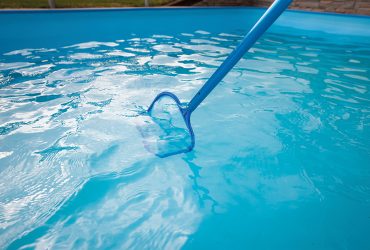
x,y
196,127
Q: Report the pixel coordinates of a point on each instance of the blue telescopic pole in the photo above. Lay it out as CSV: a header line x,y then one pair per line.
x,y
268,18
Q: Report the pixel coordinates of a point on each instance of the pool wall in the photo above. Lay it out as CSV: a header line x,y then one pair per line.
x,y
46,28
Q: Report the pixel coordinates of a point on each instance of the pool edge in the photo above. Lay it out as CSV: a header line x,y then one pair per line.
x,y
160,8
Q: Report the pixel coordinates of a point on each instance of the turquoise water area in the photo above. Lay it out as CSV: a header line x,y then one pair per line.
x,y
282,155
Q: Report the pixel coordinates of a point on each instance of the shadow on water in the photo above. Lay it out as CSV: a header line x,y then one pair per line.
x,y
202,192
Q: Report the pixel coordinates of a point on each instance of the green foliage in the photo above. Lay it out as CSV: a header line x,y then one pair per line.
x,y
78,3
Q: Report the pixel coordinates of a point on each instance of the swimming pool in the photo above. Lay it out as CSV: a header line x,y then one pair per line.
x,y
282,158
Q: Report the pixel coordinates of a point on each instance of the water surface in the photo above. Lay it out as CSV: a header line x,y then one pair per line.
x,y
282,149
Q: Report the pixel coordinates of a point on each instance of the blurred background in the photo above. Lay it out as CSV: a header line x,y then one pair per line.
x,y
79,3
339,6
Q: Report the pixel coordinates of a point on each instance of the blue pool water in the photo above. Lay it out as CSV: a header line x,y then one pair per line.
x,y
282,159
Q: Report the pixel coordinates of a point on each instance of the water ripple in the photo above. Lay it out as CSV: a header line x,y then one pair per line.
x,y
289,126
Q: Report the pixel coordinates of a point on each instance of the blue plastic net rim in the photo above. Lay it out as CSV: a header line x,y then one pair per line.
x,y
185,115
